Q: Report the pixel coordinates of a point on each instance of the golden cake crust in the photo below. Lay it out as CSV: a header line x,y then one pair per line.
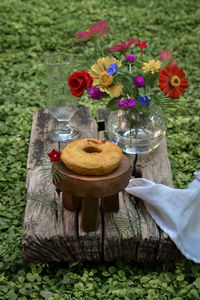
x,y
91,156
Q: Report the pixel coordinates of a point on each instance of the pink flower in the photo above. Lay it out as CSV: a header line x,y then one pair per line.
x,y
54,155
122,46
165,55
82,35
98,27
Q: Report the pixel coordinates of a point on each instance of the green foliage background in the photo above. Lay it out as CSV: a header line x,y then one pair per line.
x,y
29,30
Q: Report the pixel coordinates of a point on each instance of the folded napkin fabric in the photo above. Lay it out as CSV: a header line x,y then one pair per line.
x,y
176,211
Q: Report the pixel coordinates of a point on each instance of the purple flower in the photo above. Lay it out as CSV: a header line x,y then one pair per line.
x,y
120,103
139,81
112,69
95,93
130,57
128,103
144,100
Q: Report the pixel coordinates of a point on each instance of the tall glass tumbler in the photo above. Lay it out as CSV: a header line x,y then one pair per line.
x,y
58,68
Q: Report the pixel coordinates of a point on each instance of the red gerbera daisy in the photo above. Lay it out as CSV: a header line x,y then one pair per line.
x,y
54,155
172,80
98,27
122,46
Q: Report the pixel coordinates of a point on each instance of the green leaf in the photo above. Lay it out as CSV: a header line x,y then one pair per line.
x,y
66,279
141,92
30,277
111,269
193,294
46,294
180,277
105,273
196,283
112,104
23,291
11,295
28,33
144,279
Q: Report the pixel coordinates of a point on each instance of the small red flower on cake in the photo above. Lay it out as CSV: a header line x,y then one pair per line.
x,y
54,155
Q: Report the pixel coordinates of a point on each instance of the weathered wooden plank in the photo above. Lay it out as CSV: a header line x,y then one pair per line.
x,y
155,165
44,232
134,225
86,246
90,244
150,242
51,235
39,145
149,233
167,251
56,235
120,237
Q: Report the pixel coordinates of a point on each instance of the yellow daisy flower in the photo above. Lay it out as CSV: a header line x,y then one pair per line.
x,y
152,66
102,79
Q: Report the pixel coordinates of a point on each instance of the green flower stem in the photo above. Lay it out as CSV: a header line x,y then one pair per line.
x,y
148,136
129,68
129,118
136,126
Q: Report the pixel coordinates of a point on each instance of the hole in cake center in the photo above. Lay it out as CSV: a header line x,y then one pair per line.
x,y
91,149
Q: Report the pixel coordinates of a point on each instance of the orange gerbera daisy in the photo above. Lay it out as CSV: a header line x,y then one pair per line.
x,y
172,80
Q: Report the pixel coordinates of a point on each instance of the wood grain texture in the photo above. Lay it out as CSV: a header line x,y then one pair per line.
x,y
148,241
51,235
90,242
94,186
155,165
121,235
129,233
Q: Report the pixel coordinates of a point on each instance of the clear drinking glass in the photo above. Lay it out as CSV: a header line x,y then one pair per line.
x,y
58,68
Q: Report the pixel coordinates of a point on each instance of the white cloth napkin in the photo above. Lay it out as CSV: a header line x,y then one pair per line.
x,y
176,211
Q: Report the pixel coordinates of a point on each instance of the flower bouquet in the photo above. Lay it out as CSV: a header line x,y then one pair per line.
x,y
136,87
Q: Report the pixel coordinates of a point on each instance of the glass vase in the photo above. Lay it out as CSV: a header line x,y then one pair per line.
x,y
58,68
136,133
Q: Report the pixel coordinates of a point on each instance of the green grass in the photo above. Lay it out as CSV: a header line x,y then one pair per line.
x,y
29,30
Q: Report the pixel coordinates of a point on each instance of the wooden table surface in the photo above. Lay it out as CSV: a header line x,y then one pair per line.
x,y
55,234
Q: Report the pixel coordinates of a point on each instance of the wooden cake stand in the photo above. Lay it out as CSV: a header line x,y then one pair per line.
x,y
85,191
